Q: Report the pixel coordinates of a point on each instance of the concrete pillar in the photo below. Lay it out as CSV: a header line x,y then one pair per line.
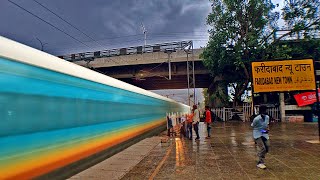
x,y
282,107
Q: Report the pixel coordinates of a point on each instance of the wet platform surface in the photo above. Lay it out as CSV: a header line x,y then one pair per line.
x,y
229,154
121,163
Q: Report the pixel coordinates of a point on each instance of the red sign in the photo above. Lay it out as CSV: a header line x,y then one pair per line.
x,y
306,98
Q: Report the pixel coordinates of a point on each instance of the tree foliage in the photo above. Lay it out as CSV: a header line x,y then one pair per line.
x,y
302,15
302,18
246,30
238,26
302,25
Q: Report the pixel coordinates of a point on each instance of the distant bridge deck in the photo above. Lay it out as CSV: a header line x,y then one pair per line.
x,y
147,67
138,59
136,55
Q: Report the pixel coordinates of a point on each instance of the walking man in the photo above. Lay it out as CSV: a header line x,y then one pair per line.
x,y
196,120
260,126
208,121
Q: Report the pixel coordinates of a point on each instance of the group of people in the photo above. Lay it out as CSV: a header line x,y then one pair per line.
x,y
260,125
193,120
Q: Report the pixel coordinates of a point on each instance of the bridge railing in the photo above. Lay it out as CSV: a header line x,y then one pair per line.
x,y
314,34
90,56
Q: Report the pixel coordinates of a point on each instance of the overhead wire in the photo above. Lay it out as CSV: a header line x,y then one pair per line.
x,y
65,20
93,40
54,25
111,38
122,42
73,26
47,22
179,39
152,37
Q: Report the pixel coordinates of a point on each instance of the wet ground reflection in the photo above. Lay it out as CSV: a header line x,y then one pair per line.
x,y
231,154
180,156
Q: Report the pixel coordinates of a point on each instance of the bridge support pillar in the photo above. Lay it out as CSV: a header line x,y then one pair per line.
x,y
190,75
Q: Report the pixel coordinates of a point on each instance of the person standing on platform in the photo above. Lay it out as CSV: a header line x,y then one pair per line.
x,y
196,120
189,126
169,125
260,126
208,121
183,126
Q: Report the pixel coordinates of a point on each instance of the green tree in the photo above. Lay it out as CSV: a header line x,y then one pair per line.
x,y
301,16
300,35
206,96
243,31
238,27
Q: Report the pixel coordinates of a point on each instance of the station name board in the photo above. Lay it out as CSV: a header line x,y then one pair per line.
x,y
288,75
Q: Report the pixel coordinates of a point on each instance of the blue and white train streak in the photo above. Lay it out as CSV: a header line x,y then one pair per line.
x,y
54,113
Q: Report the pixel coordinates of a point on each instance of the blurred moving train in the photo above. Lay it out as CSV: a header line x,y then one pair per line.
x,y
55,114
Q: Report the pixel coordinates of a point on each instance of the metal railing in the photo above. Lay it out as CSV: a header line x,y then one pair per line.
x,y
247,112
273,112
89,56
315,34
223,113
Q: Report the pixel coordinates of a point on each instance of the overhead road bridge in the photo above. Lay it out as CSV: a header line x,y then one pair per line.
x,y
151,67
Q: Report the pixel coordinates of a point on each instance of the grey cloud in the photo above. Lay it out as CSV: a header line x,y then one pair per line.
x,y
101,20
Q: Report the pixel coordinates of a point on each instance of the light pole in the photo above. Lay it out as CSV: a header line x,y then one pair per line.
x,y
144,30
42,44
315,59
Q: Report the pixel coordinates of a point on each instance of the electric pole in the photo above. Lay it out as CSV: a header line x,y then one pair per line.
x,y
144,30
42,44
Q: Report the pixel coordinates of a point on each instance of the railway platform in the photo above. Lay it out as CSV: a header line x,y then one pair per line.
x,y
229,154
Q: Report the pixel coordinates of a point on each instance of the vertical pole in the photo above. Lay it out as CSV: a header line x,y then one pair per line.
x,y
252,105
224,113
318,107
188,77
169,63
145,38
252,100
317,94
145,42
194,80
282,107
315,60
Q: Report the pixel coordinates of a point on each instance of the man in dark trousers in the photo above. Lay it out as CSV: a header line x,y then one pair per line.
x,y
196,120
208,121
260,126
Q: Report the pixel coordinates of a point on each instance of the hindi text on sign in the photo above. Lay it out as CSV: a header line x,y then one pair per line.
x,y
277,76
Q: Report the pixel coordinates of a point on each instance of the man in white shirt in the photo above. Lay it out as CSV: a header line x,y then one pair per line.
x,y
196,120
260,126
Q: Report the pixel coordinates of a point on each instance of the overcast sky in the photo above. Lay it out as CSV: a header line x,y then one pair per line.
x,y
103,24
88,25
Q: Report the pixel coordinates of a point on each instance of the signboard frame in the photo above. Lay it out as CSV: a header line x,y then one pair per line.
x,y
261,61
314,89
